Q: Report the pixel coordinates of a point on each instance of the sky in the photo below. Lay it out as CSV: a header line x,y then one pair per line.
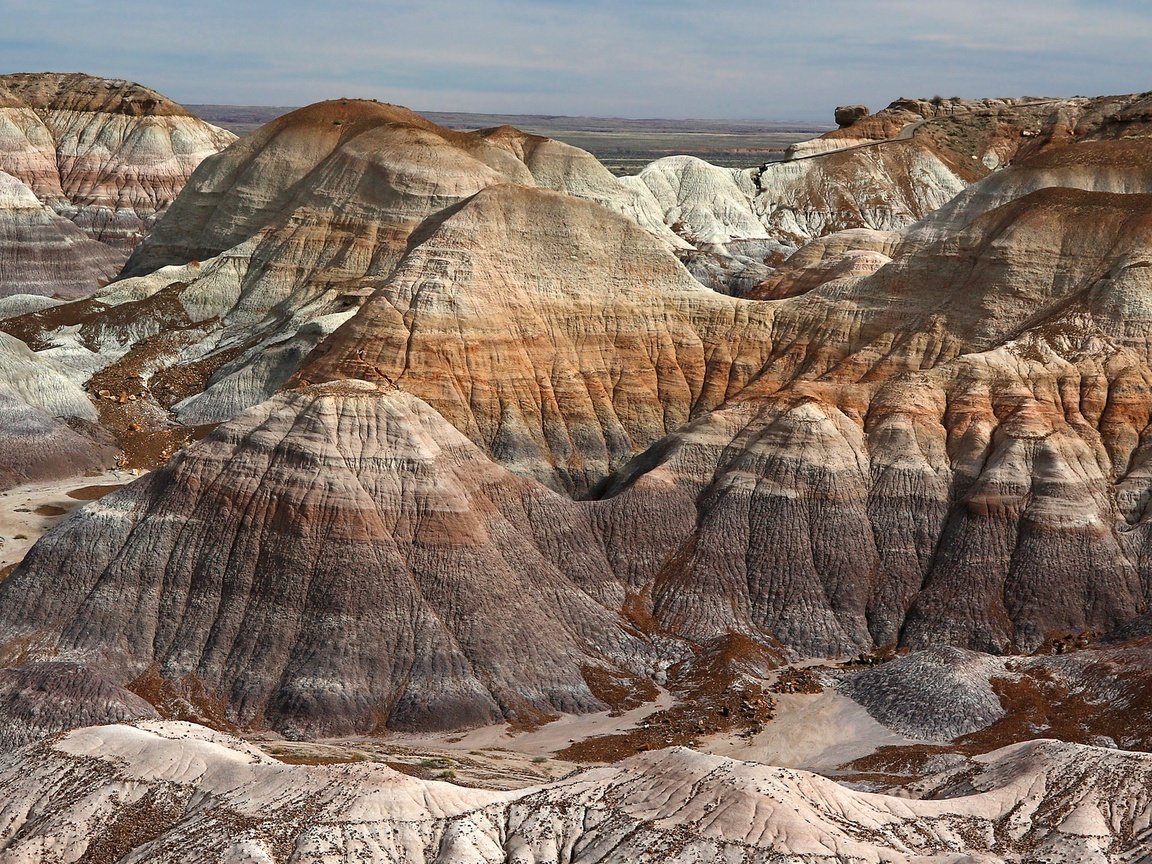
x,y
753,59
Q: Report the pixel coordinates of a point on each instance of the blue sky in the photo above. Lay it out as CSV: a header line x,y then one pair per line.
x,y
777,59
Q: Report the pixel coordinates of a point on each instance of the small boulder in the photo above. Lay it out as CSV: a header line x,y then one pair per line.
x,y
846,115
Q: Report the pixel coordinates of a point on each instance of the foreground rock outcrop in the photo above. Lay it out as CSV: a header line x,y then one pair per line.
x,y
168,792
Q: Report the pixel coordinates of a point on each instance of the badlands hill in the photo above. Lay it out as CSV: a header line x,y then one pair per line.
x,y
86,167
466,373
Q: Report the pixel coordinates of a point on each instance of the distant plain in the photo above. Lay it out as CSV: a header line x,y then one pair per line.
x,y
624,146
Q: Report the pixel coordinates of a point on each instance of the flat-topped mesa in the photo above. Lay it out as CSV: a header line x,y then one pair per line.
x,y
104,157
992,133
76,91
889,121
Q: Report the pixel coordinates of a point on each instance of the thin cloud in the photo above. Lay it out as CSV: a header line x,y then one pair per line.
x,y
672,58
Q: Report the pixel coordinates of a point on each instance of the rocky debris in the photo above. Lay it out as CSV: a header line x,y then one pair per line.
x,y
167,792
739,269
1004,117
846,115
993,133
718,689
41,699
797,681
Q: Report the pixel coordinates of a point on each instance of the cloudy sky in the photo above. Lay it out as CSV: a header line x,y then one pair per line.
x,y
764,59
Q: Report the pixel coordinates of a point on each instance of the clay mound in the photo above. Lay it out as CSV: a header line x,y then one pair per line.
x,y
1041,800
708,205
947,451
47,429
1078,689
1117,167
852,252
790,282
345,561
971,503
886,187
751,219
381,163
891,168
936,695
974,287
41,699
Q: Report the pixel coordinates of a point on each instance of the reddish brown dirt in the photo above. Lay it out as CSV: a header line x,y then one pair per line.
x,y
175,383
132,827
92,493
187,699
133,395
49,510
128,409
297,758
715,693
619,690
797,681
